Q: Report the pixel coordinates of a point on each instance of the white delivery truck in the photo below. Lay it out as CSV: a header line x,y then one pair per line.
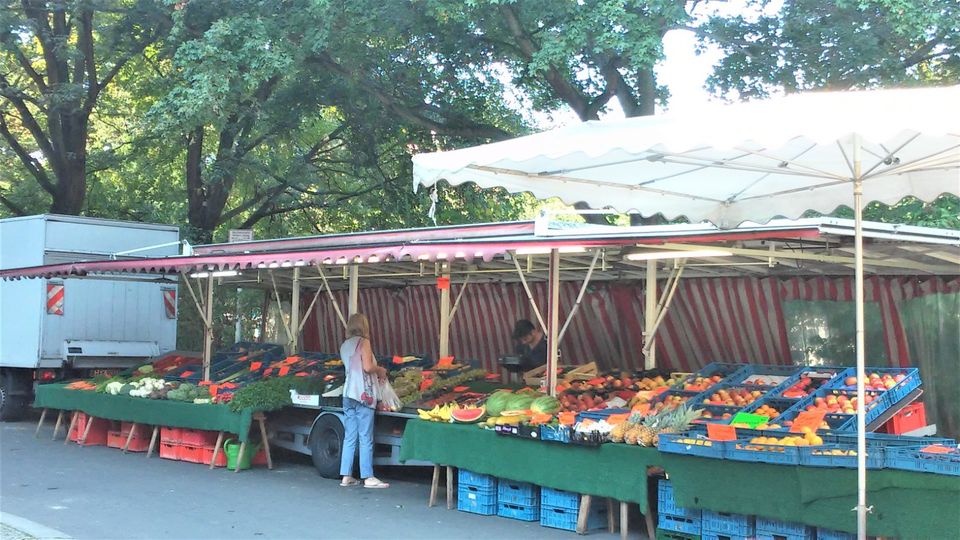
x,y
52,329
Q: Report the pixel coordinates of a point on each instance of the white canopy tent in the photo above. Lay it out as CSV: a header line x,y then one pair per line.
x,y
729,164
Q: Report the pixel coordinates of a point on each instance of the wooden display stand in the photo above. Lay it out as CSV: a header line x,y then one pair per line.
x,y
568,373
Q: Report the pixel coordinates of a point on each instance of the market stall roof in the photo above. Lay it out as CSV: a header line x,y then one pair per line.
x,y
729,164
407,257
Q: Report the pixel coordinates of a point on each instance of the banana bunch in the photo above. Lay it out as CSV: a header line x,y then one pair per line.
x,y
438,413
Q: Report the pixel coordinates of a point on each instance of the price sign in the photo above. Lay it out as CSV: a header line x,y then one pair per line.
x,y
808,419
752,420
721,432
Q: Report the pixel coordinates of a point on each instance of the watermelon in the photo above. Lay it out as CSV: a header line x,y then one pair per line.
x,y
545,404
519,402
467,416
496,403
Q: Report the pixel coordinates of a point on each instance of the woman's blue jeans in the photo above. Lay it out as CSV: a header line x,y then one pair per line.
x,y
358,426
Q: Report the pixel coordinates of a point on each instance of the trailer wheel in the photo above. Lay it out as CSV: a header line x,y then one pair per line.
x,y
12,402
326,444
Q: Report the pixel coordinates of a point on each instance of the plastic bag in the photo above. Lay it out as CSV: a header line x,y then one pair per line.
x,y
387,399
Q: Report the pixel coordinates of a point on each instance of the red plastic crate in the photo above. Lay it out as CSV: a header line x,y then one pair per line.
x,y
191,454
170,451
170,435
911,417
98,432
115,440
142,431
260,458
198,437
208,455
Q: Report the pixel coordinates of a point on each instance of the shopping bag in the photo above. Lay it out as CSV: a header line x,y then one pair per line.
x,y
387,399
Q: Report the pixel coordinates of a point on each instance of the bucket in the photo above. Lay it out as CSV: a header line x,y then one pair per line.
x,y
231,447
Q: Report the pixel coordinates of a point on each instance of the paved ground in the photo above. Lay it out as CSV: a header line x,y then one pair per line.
x,y
97,492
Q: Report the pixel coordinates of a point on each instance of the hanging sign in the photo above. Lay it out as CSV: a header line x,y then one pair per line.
x,y
443,283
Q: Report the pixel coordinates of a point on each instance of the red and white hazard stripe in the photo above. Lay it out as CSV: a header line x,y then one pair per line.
x,y
170,303
55,298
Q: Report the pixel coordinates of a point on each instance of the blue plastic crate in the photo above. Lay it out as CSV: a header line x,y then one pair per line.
x,y
769,528
469,478
826,375
711,535
828,534
559,499
560,434
733,525
823,456
780,404
679,443
730,371
477,500
687,525
910,458
666,504
600,415
522,512
751,372
566,518
889,397
773,453
717,412
674,535
517,493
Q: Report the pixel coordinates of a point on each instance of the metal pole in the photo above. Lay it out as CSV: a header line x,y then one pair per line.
x,y
861,370
445,315
354,305
553,345
650,316
208,330
294,343
238,327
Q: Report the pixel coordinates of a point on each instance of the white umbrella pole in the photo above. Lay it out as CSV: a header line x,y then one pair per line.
x,y
861,375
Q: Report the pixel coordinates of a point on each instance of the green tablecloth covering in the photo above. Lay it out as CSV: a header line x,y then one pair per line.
x,y
905,504
155,412
612,470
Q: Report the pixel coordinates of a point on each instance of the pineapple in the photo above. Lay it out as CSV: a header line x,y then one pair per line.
x,y
649,427
679,420
631,436
619,431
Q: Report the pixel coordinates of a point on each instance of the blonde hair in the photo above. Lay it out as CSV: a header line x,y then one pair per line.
x,y
358,325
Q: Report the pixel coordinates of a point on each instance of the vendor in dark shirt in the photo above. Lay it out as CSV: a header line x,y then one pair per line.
x,y
532,345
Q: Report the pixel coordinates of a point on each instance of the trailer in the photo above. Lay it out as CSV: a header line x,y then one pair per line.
x,y
55,328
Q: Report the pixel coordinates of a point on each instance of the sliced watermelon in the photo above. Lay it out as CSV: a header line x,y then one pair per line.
x,y
467,416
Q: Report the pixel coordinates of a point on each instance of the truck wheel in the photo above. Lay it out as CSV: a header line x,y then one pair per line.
x,y
326,443
12,403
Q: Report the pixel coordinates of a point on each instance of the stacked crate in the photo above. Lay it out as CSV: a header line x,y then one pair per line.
x,y
559,509
672,517
771,529
139,441
476,493
724,526
518,500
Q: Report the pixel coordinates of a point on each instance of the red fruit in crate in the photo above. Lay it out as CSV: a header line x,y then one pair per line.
x,y
889,383
900,377
850,381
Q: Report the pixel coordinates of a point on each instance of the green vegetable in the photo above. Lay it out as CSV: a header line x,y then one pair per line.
x,y
266,395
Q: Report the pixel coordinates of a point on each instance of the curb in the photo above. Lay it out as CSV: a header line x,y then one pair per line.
x,y
32,528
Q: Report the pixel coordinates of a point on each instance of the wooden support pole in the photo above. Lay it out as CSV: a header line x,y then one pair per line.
x,y
73,424
153,441
354,292
449,487
553,323
584,513
216,449
43,416
445,314
650,314
433,486
261,419
126,444
56,427
611,517
294,334
86,431
625,520
243,450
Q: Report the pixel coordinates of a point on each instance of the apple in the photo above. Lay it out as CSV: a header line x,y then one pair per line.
x,y
850,381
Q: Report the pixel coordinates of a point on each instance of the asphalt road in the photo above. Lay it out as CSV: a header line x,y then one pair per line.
x,y
98,492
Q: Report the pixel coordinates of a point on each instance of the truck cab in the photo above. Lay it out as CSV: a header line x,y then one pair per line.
x,y
54,329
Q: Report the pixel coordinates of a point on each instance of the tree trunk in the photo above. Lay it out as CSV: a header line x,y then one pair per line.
x,y
71,189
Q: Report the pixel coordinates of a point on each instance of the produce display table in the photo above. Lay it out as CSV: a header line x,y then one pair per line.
x,y
905,504
156,412
616,471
